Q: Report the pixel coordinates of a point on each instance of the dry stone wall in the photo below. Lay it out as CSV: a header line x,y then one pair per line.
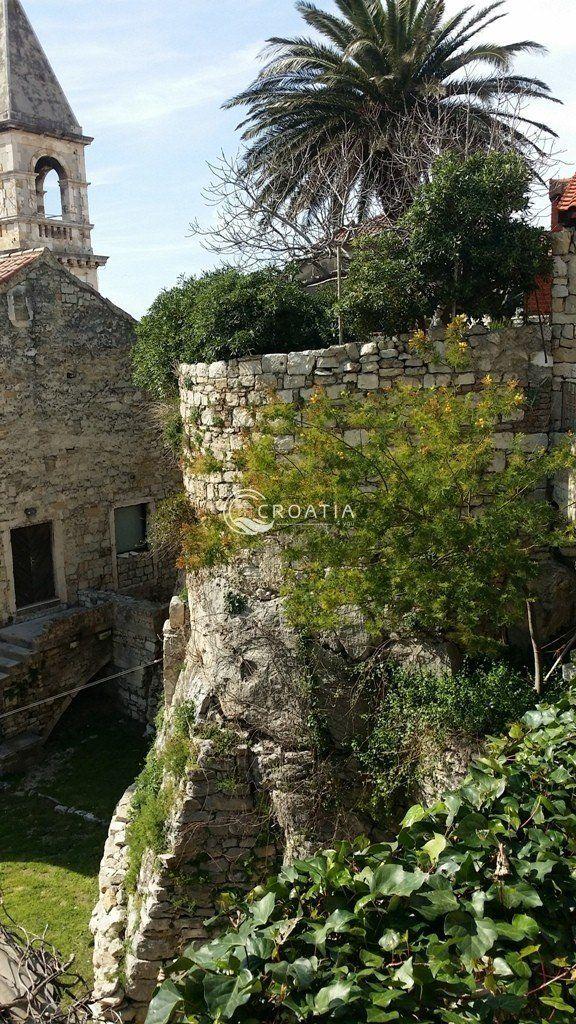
x,y
564,327
64,656
218,400
235,663
71,648
218,840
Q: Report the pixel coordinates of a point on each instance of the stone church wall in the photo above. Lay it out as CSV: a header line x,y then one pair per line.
x,y
77,439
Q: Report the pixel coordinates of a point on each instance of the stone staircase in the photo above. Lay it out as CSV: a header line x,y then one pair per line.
x,y
18,646
11,655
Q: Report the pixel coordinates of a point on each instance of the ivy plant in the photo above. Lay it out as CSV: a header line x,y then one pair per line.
x,y
467,915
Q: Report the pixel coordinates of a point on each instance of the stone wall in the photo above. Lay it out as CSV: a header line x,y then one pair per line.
x,y
218,400
109,633
564,329
232,657
218,840
77,439
138,628
65,655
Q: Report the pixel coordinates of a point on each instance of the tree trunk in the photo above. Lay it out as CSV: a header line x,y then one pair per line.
x,y
339,291
536,650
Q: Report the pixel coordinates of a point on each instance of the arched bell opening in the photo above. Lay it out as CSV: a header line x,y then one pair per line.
x,y
52,190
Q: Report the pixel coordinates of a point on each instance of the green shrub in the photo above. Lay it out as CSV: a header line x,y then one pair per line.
x,y
169,522
467,917
173,428
419,712
227,313
466,245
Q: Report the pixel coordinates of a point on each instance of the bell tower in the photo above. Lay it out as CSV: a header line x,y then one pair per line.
x,y
40,136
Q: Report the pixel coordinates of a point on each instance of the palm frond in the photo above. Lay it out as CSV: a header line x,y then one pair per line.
x,y
371,66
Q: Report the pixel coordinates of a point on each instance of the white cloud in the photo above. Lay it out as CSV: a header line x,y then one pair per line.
x,y
164,94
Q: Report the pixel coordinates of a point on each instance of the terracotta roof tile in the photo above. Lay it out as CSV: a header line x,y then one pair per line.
x,y
10,265
568,200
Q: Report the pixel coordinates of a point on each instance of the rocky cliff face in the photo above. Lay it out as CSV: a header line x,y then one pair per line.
x,y
257,788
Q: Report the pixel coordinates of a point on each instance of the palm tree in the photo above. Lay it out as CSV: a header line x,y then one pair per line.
x,y
328,115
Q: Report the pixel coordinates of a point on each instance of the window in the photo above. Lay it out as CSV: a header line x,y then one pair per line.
x,y
131,529
51,189
19,307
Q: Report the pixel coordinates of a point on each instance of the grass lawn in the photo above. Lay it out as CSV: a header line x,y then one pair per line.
x,y
49,862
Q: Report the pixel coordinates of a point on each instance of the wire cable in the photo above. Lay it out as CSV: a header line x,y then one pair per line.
x,y
77,690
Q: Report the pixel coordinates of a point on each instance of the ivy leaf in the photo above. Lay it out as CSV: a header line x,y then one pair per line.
x,y
336,924
393,880
520,895
434,847
474,936
522,927
405,974
501,968
390,940
441,902
414,815
333,996
557,1003
214,952
164,1003
263,910
225,994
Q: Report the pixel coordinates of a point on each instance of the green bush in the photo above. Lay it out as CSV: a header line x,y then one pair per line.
x,y
466,245
169,522
419,712
467,917
173,427
227,313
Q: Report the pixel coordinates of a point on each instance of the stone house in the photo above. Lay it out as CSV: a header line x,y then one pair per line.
x,y
81,463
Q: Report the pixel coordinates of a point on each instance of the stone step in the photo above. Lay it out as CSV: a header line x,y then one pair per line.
x,y
6,662
12,651
28,632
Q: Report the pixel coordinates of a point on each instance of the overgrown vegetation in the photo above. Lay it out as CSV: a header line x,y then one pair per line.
x,y
465,245
416,714
467,916
173,427
170,521
156,787
155,791
226,313
411,524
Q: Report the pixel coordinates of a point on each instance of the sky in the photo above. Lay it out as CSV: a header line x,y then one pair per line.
x,y
147,79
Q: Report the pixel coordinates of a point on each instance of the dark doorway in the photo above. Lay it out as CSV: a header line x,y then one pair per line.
x,y
33,564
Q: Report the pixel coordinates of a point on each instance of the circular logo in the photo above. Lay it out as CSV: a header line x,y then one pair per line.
x,y
244,514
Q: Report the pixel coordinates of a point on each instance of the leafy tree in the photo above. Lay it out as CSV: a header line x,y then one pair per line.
x,y
227,313
464,245
427,539
467,917
375,63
